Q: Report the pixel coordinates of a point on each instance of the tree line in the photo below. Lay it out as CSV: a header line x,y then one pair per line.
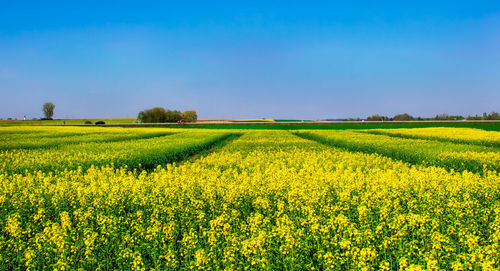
x,y
407,117
162,115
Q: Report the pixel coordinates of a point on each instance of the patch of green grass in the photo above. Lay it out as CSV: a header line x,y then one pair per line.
x,y
489,126
62,121
293,120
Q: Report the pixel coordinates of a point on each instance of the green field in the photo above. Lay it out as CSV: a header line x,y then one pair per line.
x,y
486,125
63,121
251,197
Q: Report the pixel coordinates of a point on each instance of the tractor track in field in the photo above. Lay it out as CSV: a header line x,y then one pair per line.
x,y
213,148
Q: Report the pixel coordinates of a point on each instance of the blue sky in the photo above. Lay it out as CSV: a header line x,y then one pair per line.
x,y
235,59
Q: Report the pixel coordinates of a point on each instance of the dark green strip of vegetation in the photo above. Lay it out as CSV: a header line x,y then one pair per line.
x,y
488,126
217,145
436,138
182,153
405,156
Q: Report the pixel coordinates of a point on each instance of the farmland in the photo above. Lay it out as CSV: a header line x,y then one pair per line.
x,y
113,198
62,121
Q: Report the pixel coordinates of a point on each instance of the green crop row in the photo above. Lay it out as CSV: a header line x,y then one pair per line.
x,y
141,153
50,141
452,156
454,135
488,126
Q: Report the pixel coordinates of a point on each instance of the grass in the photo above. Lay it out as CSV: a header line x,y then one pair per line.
x,y
488,126
62,121
273,125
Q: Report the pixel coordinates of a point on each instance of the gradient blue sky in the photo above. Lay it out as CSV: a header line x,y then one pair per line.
x,y
234,59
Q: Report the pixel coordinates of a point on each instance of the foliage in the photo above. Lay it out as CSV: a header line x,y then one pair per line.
x,y
335,126
416,151
455,135
189,116
48,110
377,118
402,117
267,201
173,115
61,121
147,152
153,115
160,115
490,116
44,137
447,117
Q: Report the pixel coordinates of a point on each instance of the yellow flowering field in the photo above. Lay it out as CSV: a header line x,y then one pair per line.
x,y
457,135
453,156
250,200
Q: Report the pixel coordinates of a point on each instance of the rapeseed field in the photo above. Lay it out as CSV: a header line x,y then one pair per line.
x,y
94,198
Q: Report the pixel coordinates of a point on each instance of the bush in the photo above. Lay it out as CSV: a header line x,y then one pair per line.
x,y
153,115
160,115
88,122
173,116
402,117
189,116
377,118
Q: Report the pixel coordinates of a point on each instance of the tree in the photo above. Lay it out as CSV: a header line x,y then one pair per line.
x,y
443,116
48,110
189,116
494,116
173,116
404,116
377,118
153,115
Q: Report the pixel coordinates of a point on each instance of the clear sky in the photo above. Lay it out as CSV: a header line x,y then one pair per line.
x,y
235,59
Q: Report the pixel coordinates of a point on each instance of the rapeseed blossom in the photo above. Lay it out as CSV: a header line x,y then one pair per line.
x,y
267,200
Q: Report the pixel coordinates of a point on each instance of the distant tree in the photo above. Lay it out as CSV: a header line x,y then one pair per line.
x,y
490,116
141,117
173,115
404,116
48,110
443,116
153,115
494,116
189,116
160,115
457,117
377,118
